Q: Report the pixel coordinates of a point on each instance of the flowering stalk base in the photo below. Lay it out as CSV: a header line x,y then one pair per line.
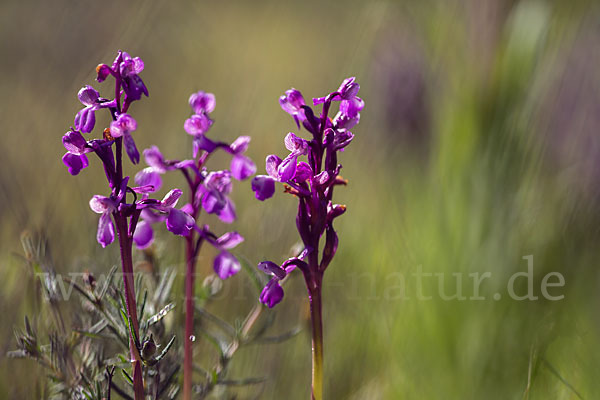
x,y
125,243
189,319
317,343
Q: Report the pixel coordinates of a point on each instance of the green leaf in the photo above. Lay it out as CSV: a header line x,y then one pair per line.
x,y
253,273
107,282
165,350
160,315
217,321
279,338
142,307
127,377
242,382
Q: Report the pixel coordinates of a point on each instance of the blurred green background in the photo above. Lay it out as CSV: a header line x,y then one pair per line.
x,y
479,145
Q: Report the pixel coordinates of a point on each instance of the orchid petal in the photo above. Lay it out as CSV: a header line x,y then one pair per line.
x,y
143,235
106,230
271,268
149,176
242,167
229,240
179,222
227,214
263,187
287,168
131,149
272,293
226,265
272,163
171,198
240,145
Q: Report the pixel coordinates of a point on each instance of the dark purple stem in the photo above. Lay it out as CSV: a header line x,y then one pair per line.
x,y
125,244
192,248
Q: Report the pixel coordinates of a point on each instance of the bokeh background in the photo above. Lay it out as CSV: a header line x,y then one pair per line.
x,y
479,145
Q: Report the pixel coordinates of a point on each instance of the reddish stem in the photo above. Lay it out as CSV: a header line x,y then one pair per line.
x,y
125,243
189,317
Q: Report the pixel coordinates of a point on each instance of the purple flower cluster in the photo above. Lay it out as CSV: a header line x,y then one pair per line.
x,y
311,181
209,190
118,214
128,86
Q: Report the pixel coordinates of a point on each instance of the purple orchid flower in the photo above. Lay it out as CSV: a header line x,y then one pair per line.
x,y
292,102
209,191
213,195
226,264
242,167
106,206
75,158
202,102
197,125
122,127
285,170
117,215
263,187
106,230
312,182
86,117
75,163
126,71
273,293
178,221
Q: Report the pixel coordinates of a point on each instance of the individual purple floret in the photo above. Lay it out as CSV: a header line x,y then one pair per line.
x,y
241,166
122,127
312,182
75,163
272,293
263,187
178,221
292,102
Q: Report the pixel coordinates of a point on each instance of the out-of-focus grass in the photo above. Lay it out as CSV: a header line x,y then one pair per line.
x,y
476,148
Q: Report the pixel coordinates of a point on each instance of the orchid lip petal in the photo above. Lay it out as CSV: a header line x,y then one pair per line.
x,y
272,293
226,265
242,167
263,187
143,235
106,230
213,201
75,163
227,214
179,222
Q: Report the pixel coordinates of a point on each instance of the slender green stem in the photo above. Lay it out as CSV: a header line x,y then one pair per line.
x,y
317,343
